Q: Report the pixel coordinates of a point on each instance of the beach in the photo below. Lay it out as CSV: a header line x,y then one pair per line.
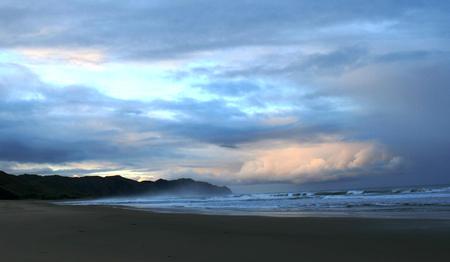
x,y
40,231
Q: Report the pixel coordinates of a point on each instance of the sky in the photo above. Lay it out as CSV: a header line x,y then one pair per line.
x,y
262,94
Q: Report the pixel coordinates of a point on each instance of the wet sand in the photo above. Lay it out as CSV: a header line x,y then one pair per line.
x,y
39,231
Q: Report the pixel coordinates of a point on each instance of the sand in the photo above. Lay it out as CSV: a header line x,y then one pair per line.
x,y
39,231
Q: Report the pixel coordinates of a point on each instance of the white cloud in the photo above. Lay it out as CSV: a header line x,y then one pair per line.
x,y
316,162
298,163
80,57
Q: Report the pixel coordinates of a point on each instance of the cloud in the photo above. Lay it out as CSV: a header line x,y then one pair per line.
x,y
167,29
230,88
45,123
282,161
347,89
64,129
79,57
316,162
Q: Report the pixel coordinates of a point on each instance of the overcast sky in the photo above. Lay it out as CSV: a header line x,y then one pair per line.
x,y
231,92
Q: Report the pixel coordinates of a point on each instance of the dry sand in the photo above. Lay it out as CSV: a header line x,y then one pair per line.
x,y
38,231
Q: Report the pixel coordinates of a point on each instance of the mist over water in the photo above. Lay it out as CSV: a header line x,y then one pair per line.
x,y
411,202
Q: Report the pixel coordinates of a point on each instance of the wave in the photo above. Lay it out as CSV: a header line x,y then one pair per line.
x,y
367,192
423,200
345,194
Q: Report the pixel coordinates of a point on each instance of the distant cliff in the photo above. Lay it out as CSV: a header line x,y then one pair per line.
x,y
60,187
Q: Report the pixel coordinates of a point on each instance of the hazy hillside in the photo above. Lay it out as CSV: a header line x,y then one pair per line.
x,y
59,187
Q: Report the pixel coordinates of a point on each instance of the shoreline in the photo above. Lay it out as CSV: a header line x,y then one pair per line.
x,y
42,231
392,203
405,215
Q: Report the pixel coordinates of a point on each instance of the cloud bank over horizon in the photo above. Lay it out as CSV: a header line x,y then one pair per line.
x,y
229,92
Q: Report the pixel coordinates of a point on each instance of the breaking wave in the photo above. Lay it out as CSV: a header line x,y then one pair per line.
x,y
429,202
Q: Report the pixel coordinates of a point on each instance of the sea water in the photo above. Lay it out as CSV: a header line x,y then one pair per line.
x,y
411,202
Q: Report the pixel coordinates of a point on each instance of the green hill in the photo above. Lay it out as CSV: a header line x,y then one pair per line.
x,y
60,187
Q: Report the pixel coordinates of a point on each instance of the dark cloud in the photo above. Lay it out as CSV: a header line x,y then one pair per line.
x,y
168,28
49,124
41,123
348,70
400,97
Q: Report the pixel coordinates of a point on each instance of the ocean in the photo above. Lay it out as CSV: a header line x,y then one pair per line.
x,y
431,202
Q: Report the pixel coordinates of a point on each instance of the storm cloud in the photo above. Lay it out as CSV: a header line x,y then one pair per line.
x,y
229,92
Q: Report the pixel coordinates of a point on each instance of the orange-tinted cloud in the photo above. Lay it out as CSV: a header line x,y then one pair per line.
x,y
316,162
